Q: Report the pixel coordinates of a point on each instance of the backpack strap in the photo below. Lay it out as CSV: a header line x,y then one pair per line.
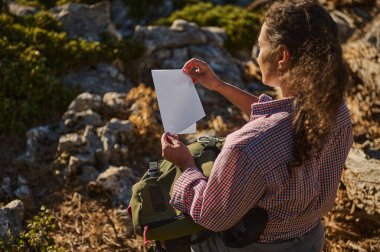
x,y
183,244
202,237
208,155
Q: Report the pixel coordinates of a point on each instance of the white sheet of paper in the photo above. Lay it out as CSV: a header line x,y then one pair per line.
x,y
189,130
179,102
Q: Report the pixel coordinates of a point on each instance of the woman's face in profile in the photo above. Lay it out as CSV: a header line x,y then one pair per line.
x,y
267,60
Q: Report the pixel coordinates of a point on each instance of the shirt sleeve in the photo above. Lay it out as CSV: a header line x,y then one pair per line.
x,y
234,186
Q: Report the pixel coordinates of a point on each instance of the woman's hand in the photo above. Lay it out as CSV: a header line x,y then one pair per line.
x,y
176,152
200,72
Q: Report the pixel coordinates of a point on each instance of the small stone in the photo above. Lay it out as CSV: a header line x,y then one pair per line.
x,y
24,194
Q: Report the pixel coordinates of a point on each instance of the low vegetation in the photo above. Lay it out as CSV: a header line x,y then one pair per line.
x,y
35,53
36,236
241,25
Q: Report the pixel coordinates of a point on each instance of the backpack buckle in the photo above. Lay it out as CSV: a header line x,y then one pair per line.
x,y
208,140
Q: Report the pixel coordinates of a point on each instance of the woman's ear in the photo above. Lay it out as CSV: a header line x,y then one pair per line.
x,y
283,57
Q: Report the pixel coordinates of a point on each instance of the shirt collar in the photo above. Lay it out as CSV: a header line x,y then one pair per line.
x,y
266,105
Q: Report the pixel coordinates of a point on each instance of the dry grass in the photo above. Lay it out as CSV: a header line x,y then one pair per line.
x,y
87,224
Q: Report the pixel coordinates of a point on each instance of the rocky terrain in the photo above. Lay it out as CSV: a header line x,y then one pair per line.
x,y
82,166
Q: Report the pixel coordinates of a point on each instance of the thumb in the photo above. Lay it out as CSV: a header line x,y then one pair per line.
x,y
174,140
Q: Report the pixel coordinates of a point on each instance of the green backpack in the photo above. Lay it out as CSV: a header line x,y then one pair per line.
x,y
152,215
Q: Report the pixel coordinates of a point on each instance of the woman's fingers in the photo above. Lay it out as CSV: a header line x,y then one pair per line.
x,y
165,140
194,66
174,141
169,139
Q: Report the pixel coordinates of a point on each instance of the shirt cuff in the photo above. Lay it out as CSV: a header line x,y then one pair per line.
x,y
183,192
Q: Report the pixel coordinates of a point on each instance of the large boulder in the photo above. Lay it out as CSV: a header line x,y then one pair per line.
x,y
104,78
86,21
86,101
362,180
115,136
116,105
72,143
81,167
41,145
117,181
77,120
11,217
345,24
180,34
362,55
171,47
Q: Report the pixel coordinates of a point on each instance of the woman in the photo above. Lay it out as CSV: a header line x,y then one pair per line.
x,y
289,157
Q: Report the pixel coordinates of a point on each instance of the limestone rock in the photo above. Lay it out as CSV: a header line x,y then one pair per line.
x,y
24,194
81,167
362,55
114,136
21,10
118,182
86,21
105,78
115,132
86,101
116,105
41,144
180,34
120,17
345,25
215,35
171,47
78,120
362,179
72,143
11,217
92,140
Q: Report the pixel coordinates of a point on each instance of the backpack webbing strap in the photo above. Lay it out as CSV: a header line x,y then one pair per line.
x,y
184,243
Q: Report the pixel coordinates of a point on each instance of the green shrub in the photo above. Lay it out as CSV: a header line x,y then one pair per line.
x,y
34,53
240,25
36,236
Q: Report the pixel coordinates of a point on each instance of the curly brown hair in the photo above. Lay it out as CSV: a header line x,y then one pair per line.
x,y
317,75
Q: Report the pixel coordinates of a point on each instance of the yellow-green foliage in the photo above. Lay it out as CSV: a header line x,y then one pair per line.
x,y
36,237
34,53
240,25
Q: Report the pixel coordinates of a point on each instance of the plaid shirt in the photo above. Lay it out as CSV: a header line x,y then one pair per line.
x,y
251,170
